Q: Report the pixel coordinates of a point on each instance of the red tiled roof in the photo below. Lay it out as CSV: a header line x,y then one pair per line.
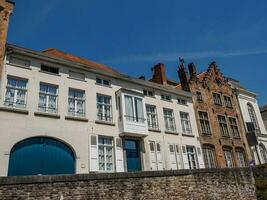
x,y
70,57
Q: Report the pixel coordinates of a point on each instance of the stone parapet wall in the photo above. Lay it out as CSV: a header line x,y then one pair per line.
x,y
183,184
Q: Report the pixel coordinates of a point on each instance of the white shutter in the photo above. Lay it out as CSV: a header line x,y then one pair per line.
x,y
153,161
179,157
200,158
172,157
159,157
185,158
119,156
94,153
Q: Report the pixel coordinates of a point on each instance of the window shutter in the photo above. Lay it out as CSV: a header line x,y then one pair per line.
x,y
93,153
200,158
185,158
172,157
119,156
153,161
159,157
178,156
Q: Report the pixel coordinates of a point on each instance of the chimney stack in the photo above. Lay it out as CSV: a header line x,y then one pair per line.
x,y
159,74
6,8
192,71
183,75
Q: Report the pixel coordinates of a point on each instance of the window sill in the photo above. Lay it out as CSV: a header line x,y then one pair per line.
x,y
104,122
188,135
14,110
154,130
170,101
206,135
81,119
77,79
171,132
50,115
50,73
20,66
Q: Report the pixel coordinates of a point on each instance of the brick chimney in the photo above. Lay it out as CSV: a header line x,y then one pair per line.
x,y
192,71
6,8
183,75
159,74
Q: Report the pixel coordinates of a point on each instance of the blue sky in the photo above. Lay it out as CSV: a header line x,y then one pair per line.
x,y
132,36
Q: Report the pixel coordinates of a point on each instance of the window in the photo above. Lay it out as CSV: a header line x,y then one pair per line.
x,y
166,97
228,157
223,126
48,98
148,93
199,96
104,82
77,75
105,154
186,125
228,102
217,99
209,156
152,119
104,108
204,122
233,127
155,156
263,153
134,109
253,116
76,103
181,101
192,157
19,61
169,120
49,69
16,91
240,158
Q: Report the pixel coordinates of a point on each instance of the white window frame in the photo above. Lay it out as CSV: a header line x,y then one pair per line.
x,y
105,146
209,156
102,80
227,101
234,127
186,123
168,119
16,89
76,100
192,157
205,128
150,116
240,158
135,118
47,95
228,156
224,127
104,116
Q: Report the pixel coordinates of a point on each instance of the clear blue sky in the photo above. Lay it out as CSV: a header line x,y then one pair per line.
x,y
132,36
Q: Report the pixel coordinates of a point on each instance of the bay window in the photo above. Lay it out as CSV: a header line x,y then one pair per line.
x,y
134,109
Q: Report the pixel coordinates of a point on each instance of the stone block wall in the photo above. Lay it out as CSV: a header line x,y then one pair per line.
x,y
184,184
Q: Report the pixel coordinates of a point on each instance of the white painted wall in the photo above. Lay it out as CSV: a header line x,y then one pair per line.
x,y
16,127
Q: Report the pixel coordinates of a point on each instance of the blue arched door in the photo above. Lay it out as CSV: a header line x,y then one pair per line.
x,y
41,155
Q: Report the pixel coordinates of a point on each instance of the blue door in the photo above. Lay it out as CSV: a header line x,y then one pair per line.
x,y
41,155
132,155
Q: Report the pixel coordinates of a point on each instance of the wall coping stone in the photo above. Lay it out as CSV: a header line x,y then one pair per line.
x,y
15,180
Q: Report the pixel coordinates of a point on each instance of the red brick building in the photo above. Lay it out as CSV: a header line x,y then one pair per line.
x,y
219,120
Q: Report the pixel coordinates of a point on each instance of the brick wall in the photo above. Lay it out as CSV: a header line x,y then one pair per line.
x,y
184,184
5,11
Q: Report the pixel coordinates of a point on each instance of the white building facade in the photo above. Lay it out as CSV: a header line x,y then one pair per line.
x,y
59,116
253,121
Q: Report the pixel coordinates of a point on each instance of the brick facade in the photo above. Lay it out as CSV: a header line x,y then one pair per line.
x,y
6,8
184,184
205,84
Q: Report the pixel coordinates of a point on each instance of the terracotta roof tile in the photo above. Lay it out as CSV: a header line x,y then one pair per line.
x,y
70,57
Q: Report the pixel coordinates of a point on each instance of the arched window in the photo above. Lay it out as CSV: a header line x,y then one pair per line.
x,y
263,153
209,156
240,157
253,116
41,155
